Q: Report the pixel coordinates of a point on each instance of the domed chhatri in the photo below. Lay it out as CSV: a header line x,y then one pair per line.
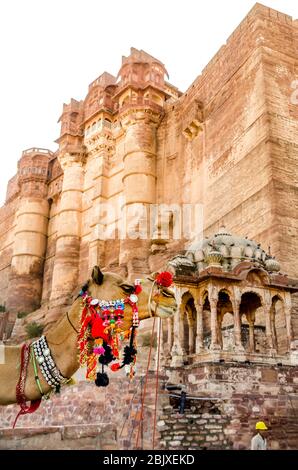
x,y
233,304
226,251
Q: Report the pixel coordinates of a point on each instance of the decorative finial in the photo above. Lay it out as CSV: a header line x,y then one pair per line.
x,y
213,244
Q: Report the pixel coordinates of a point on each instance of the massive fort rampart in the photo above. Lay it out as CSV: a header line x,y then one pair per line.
x,y
229,143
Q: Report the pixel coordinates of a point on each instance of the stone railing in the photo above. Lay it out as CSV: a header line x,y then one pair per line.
x,y
37,150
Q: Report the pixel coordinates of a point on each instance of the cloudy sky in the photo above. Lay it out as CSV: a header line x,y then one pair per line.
x,y
52,49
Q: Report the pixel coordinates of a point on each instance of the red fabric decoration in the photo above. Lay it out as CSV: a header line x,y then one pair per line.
x,y
97,329
88,315
115,367
164,279
118,311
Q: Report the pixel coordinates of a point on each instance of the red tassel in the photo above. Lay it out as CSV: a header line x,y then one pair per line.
x,y
164,279
138,289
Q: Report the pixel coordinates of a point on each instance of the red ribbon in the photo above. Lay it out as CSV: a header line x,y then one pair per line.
x,y
20,388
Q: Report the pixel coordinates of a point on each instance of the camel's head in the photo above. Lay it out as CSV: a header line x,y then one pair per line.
x,y
110,286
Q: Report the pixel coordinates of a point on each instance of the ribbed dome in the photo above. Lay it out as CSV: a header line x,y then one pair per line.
x,y
231,250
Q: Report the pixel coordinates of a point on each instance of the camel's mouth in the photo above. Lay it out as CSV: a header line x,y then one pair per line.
x,y
162,311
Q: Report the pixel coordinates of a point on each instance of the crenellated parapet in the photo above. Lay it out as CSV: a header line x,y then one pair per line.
x,y
72,118
33,172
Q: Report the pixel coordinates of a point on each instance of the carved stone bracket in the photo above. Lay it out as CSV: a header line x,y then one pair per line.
x,y
100,143
192,121
70,157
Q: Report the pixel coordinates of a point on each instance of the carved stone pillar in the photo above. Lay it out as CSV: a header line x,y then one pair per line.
x,y
200,327
181,327
160,345
219,332
267,311
170,333
177,349
272,322
236,301
213,299
287,311
251,323
191,337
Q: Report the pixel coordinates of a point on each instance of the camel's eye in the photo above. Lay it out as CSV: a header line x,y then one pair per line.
x,y
128,289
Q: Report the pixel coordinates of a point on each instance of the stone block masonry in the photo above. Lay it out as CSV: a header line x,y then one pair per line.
x,y
86,417
236,397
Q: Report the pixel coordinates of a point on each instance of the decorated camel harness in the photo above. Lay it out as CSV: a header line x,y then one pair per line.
x,y
102,341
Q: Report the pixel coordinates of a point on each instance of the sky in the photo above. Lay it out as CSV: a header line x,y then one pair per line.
x,y
52,49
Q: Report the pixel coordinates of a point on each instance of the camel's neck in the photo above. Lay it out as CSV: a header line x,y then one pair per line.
x,y
62,340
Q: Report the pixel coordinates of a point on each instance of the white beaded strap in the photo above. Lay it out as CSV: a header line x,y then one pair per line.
x,y
48,368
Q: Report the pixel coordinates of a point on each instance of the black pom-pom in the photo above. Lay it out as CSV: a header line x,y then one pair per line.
x,y
102,380
107,357
129,354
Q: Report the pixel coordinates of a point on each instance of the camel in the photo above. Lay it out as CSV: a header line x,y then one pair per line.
x,y
62,337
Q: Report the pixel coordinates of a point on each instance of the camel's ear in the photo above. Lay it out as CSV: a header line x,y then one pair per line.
x,y
97,275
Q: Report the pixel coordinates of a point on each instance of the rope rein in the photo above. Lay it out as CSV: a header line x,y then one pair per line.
x,y
159,281
164,279
156,382
145,383
71,324
148,361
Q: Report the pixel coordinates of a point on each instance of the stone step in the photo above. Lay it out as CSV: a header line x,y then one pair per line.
x,y
85,436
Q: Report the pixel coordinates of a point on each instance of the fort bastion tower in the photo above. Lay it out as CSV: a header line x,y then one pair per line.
x,y
228,143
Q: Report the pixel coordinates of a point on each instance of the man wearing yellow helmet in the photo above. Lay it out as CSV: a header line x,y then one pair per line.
x,y
259,441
